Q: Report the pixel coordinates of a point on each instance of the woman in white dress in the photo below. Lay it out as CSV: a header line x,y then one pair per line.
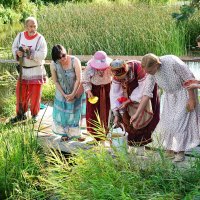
x,y
179,127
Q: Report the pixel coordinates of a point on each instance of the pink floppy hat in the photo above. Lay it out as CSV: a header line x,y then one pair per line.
x,y
100,61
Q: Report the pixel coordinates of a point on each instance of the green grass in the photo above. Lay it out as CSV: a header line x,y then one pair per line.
x,y
48,91
95,174
19,158
119,28
7,93
26,172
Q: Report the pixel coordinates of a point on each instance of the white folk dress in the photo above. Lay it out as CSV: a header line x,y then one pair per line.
x,y
178,130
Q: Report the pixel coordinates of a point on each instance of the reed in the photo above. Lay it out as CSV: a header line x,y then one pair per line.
x,y
119,28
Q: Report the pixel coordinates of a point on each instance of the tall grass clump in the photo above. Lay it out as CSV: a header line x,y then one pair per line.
x,y
7,91
48,91
20,158
96,174
119,29
193,27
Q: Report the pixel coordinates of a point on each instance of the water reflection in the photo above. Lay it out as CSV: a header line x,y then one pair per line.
x,y
195,68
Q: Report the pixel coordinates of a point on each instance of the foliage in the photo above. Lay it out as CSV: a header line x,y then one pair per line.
x,y
152,2
87,28
10,3
27,9
90,28
8,106
49,1
186,11
193,27
19,157
196,4
91,174
8,16
97,174
7,89
48,91
12,12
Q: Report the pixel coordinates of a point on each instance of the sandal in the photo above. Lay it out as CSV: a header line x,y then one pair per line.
x,y
64,139
81,139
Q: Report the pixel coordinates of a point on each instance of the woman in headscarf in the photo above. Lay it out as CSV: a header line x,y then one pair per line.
x,y
127,89
179,128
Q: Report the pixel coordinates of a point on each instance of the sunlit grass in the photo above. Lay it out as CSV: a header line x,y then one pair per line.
x,y
19,157
128,29
115,27
48,91
96,174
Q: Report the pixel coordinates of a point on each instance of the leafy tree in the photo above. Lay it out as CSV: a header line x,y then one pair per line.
x,y
186,11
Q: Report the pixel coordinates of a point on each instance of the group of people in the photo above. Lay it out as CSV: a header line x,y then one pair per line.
x,y
127,89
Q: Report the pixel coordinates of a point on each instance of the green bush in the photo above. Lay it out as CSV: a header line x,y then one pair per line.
x,y
48,91
10,3
96,174
7,94
20,157
8,16
193,27
12,12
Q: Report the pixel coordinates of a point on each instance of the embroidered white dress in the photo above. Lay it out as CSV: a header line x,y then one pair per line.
x,y
178,130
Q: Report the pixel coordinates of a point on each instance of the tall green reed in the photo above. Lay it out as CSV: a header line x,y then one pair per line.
x,y
95,174
19,156
118,28
129,29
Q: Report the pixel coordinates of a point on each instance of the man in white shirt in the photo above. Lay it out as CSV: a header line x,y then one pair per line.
x,y
31,47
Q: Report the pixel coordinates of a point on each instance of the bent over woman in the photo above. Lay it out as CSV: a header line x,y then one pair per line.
x,y
127,89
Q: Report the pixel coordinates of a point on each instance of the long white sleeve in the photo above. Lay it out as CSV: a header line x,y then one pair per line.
x,y
137,93
116,91
41,52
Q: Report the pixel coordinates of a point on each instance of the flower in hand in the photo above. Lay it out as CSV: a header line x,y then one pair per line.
x,y
122,99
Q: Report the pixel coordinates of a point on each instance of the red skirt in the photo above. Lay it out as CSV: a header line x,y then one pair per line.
x,y
140,137
101,108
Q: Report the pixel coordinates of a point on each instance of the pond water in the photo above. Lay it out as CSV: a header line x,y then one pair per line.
x,y
195,68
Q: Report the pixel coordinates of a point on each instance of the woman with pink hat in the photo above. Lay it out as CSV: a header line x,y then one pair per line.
x,y
96,83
